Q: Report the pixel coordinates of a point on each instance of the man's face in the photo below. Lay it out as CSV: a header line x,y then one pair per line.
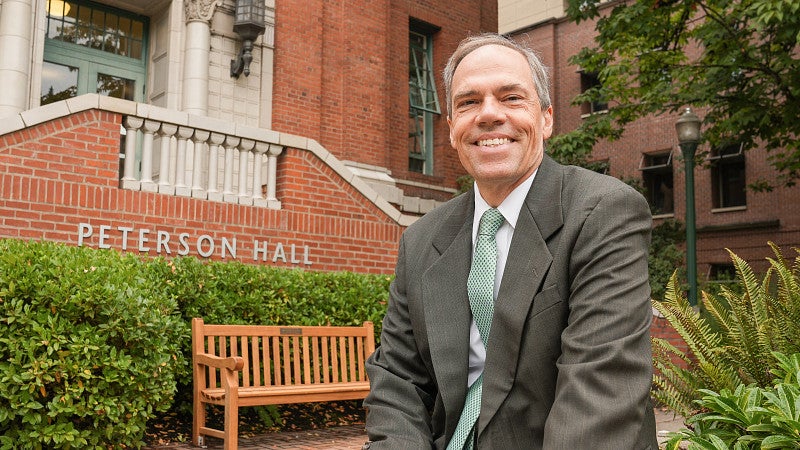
x,y
497,124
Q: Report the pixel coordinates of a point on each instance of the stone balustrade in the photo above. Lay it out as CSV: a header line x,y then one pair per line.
x,y
211,162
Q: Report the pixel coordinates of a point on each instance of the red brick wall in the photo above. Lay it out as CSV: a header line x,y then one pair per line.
x,y
341,76
60,174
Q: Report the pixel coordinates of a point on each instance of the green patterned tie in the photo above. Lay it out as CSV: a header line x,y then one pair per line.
x,y
480,287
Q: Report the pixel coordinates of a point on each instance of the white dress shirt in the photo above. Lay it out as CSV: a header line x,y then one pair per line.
x,y
510,209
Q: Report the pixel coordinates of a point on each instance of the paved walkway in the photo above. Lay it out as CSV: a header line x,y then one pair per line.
x,y
353,437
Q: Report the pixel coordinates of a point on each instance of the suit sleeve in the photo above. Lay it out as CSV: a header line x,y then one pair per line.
x,y
605,368
399,403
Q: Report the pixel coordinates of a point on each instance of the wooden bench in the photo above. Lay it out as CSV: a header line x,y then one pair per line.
x,y
249,365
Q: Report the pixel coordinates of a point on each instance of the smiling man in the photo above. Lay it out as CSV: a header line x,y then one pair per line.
x,y
542,340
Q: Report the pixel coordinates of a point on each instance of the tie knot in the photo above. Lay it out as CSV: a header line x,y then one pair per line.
x,y
491,221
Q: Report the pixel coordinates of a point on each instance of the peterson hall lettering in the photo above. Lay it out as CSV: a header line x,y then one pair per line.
x,y
183,244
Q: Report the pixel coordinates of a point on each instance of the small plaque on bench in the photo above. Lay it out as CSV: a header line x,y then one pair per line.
x,y
291,331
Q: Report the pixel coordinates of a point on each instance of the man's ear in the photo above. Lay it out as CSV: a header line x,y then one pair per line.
x,y
547,117
450,127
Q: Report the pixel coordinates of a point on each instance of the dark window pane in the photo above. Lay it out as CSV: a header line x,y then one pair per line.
x,y
590,81
135,49
59,82
137,30
729,187
658,182
116,87
124,26
732,187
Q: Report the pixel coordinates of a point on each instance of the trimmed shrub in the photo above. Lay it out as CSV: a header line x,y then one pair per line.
x,y
87,347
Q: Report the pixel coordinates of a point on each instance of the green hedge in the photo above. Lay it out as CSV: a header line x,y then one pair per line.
x,y
93,342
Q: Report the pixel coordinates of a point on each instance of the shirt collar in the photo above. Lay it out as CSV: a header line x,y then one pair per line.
x,y
510,207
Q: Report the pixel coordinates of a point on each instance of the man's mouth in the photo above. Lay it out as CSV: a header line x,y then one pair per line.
x,y
493,142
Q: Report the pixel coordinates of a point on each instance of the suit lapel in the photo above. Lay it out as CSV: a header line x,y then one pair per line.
x,y
528,261
446,306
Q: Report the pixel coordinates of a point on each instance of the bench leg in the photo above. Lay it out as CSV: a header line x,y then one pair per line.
x,y
198,421
231,424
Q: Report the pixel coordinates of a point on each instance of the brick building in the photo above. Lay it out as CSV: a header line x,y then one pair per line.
x,y
727,214
307,135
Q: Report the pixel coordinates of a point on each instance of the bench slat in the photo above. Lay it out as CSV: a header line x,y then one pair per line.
x,y
326,375
271,330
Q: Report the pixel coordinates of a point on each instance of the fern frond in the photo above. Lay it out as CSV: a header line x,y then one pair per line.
x,y
754,332
674,385
719,311
718,377
676,401
687,322
745,274
785,308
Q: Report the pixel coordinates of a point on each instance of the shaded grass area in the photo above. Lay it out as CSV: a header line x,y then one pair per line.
x,y
175,426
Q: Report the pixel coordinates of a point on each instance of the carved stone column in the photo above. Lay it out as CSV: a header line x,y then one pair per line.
x,y
16,36
197,47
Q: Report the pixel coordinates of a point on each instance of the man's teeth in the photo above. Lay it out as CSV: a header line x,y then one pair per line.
x,y
491,142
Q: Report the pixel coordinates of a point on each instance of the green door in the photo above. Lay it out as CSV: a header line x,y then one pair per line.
x,y
90,48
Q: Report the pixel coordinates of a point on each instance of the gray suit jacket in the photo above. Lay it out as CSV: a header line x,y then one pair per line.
x,y
568,363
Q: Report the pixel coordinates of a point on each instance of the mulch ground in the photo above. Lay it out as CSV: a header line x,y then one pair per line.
x,y
175,426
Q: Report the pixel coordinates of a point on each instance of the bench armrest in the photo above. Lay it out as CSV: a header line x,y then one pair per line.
x,y
231,363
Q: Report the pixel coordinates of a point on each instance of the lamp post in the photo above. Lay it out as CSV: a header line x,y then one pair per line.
x,y
688,129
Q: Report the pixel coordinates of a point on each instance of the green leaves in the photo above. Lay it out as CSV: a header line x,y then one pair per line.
x,y
749,417
82,338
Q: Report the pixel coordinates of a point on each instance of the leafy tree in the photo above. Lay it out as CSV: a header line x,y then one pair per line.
x,y
665,255
737,61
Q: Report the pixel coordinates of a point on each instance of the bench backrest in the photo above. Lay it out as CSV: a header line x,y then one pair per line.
x,y
287,355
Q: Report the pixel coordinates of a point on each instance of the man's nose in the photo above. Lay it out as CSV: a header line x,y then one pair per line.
x,y
491,111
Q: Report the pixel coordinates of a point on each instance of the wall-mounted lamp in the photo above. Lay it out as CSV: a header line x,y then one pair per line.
x,y
248,24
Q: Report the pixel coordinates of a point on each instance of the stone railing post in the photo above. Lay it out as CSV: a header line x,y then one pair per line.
x,y
200,138
215,140
184,133
244,150
258,154
231,142
150,127
132,125
272,172
168,154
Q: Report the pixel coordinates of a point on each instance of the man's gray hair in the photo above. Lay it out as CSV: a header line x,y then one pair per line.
x,y
468,45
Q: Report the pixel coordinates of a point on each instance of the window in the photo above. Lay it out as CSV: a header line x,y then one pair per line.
x,y
423,101
728,177
721,274
590,82
91,48
658,182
